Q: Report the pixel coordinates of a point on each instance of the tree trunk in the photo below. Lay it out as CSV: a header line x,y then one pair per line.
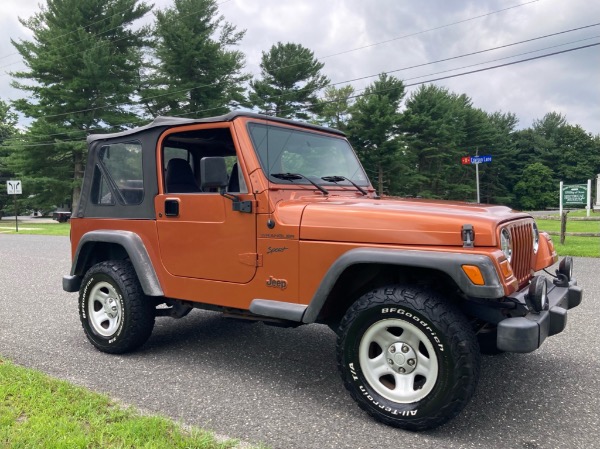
x,y
380,180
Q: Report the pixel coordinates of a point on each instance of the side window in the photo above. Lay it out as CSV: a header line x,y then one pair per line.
x,y
101,193
202,161
237,184
119,173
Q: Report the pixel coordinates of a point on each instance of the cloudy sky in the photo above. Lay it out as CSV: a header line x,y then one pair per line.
x,y
359,38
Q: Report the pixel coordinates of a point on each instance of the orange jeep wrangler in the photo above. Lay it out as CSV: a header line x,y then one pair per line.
x,y
275,220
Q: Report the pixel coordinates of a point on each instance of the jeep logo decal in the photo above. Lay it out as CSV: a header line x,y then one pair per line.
x,y
276,283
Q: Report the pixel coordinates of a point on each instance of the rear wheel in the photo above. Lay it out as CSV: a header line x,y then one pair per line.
x,y
407,357
115,313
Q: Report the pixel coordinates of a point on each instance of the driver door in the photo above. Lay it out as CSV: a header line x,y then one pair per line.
x,y
200,235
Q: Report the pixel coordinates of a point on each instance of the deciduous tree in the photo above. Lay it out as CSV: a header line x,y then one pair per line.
x,y
536,189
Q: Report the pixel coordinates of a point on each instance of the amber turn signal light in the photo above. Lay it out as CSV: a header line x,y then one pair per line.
x,y
506,269
474,274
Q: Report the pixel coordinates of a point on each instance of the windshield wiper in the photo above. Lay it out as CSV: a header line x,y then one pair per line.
x,y
338,178
296,176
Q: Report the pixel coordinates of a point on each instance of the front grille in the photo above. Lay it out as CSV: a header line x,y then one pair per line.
x,y
521,233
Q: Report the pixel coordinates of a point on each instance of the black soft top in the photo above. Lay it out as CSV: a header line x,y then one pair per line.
x,y
166,121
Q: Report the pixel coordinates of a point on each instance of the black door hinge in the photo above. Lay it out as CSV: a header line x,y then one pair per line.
x,y
242,206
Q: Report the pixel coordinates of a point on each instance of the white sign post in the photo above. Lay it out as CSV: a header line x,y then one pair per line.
x,y
589,198
15,188
560,195
597,205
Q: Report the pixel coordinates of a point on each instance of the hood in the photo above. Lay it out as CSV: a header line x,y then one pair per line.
x,y
400,221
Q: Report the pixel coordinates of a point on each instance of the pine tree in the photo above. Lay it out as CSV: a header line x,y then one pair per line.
x,y
196,72
291,79
334,108
8,129
374,130
82,70
498,179
435,126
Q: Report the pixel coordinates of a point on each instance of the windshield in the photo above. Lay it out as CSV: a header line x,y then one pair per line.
x,y
286,150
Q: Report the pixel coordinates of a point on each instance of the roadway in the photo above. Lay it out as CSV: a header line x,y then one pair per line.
x,y
281,386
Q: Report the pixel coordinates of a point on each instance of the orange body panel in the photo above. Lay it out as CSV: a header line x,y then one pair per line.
x,y
546,254
207,240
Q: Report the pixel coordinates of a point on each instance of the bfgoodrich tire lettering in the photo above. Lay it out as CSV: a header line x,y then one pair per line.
x,y
407,357
115,314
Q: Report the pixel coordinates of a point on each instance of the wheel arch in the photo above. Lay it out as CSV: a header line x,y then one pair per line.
x,y
359,269
99,246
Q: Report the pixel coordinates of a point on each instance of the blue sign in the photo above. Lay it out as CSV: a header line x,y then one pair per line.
x,y
481,159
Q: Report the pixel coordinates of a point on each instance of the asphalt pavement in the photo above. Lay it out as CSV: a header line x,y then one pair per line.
x,y
281,386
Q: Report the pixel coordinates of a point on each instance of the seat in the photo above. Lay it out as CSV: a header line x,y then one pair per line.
x,y
179,177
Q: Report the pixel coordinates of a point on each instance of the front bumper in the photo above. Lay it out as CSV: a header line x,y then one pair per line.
x,y
527,333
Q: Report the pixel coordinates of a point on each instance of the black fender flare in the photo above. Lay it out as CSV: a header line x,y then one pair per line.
x,y
131,243
448,263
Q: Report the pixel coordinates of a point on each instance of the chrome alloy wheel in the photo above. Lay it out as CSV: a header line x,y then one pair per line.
x,y
104,309
398,361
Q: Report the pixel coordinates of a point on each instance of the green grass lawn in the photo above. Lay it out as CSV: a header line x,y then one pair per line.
x,y
572,226
583,213
31,227
37,411
574,245
577,213
577,246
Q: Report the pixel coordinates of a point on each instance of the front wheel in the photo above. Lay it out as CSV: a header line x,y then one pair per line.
x,y
115,313
408,357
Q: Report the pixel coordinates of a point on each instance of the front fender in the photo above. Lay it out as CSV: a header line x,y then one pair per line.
x,y
449,263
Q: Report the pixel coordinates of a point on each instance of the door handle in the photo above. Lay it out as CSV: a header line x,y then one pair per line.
x,y
172,208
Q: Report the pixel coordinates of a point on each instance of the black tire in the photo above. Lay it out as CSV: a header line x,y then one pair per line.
x,y
115,313
415,324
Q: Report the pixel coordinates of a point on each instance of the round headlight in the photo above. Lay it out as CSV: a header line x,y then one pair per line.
x,y
506,244
536,238
566,267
